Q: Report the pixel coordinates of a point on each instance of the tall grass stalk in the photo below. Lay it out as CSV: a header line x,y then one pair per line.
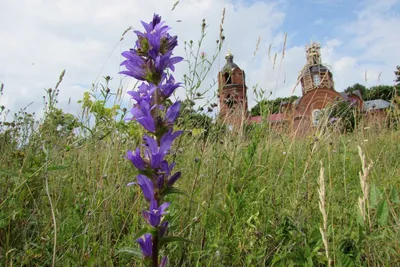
x,y
323,210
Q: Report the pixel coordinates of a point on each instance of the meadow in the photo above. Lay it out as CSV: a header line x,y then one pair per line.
x,y
251,197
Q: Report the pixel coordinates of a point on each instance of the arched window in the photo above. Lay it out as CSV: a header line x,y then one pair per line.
x,y
315,117
317,80
228,78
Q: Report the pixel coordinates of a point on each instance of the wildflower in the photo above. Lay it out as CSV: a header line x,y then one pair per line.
x,y
136,159
144,93
153,216
174,178
333,120
172,113
150,61
168,86
164,262
163,229
147,186
146,243
143,116
155,154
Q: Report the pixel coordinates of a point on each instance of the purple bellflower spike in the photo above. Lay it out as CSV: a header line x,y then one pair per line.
x,y
136,159
146,243
153,216
143,116
149,61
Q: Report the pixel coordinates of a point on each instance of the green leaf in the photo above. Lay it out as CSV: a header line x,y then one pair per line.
x,y
133,251
169,239
12,174
374,196
361,235
395,196
173,190
383,213
360,219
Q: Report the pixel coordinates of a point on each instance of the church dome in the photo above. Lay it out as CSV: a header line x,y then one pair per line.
x,y
229,63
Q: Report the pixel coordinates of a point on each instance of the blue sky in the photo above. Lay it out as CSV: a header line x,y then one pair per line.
x,y
359,39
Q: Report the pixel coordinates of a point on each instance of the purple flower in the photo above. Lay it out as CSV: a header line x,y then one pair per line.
x,y
333,120
143,116
144,93
146,243
174,178
172,113
149,61
167,139
166,61
164,261
163,229
164,173
135,65
146,185
157,36
153,216
136,159
152,54
154,153
168,86
150,26
167,169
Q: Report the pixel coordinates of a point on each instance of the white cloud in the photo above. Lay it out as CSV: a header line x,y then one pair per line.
x,y
82,36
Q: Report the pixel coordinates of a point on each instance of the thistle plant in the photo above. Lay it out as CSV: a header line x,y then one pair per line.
x,y
150,61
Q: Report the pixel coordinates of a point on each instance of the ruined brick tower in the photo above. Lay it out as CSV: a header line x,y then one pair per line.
x,y
232,93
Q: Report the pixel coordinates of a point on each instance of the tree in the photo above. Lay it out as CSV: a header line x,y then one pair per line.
x,y
343,113
397,74
192,118
385,92
363,90
270,106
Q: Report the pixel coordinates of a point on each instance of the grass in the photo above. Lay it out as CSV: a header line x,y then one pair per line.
x,y
249,199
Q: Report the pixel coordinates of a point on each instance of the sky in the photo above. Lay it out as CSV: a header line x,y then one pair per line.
x,y
40,38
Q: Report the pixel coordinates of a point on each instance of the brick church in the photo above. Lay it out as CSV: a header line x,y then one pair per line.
x,y
301,115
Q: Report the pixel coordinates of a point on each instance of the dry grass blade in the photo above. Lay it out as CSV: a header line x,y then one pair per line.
x,y
322,208
363,200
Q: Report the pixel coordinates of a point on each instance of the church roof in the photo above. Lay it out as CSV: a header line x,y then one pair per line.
x,y
376,104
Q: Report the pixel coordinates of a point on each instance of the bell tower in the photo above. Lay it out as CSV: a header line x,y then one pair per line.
x,y
232,92
314,75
